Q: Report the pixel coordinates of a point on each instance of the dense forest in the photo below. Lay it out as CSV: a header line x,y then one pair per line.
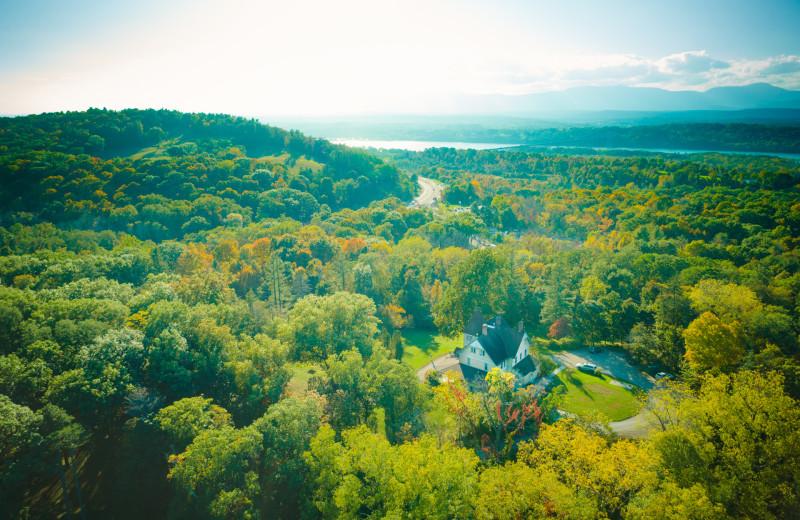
x,y
204,317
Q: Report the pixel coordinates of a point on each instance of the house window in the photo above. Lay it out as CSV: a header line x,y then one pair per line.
x,y
472,349
486,367
468,363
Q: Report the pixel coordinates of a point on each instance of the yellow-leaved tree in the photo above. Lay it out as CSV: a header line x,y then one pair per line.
x,y
609,474
710,343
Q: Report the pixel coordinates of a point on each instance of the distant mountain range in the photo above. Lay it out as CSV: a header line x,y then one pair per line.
x,y
450,115
642,99
629,117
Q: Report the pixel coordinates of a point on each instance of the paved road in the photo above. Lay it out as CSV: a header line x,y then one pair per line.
x,y
431,191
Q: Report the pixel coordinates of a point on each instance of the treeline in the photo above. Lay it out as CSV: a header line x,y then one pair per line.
x,y
590,171
694,136
251,366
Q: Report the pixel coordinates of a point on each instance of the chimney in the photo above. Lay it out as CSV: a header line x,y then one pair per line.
x,y
521,327
485,329
497,320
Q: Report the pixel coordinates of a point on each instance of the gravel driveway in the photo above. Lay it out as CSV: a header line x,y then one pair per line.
x,y
444,363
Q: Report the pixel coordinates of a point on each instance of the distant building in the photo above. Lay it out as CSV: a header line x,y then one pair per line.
x,y
496,344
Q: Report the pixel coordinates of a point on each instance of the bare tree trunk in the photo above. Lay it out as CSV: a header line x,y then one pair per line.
x,y
77,484
62,465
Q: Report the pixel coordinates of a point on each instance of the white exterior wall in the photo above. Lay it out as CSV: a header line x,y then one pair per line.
x,y
475,362
477,359
523,350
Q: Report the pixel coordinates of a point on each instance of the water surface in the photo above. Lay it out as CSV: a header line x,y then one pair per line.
x,y
417,146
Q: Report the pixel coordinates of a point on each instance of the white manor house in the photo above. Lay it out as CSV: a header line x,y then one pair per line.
x,y
496,344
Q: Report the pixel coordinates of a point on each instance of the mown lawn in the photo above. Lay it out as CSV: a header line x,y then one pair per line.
x,y
420,346
587,392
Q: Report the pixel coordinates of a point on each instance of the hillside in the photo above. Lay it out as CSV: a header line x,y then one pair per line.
x,y
161,174
205,317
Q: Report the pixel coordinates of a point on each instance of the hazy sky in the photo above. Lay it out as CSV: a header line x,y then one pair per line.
x,y
310,57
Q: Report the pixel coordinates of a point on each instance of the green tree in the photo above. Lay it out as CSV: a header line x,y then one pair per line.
x,y
256,368
277,284
671,502
169,363
354,388
286,429
183,420
364,476
319,326
590,321
217,475
478,282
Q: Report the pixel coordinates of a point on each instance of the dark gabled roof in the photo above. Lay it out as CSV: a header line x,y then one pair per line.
x,y
474,324
525,366
511,337
492,343
472,374
500,341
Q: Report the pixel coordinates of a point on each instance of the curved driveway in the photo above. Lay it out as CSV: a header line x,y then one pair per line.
x,y
613,364
444,363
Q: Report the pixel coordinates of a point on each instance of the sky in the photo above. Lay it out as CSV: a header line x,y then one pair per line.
x,y
319,58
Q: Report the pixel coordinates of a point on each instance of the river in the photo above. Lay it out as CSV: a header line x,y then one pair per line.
x,y
417,146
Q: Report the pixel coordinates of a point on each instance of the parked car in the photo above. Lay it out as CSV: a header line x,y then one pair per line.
x,y
664,375
586,367
595,350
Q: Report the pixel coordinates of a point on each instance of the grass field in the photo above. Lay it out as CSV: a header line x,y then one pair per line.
x,y
420,346
301,373
587,392
158,151
302,163
548,346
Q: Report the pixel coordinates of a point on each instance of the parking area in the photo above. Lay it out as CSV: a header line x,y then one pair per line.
x,y
610,362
